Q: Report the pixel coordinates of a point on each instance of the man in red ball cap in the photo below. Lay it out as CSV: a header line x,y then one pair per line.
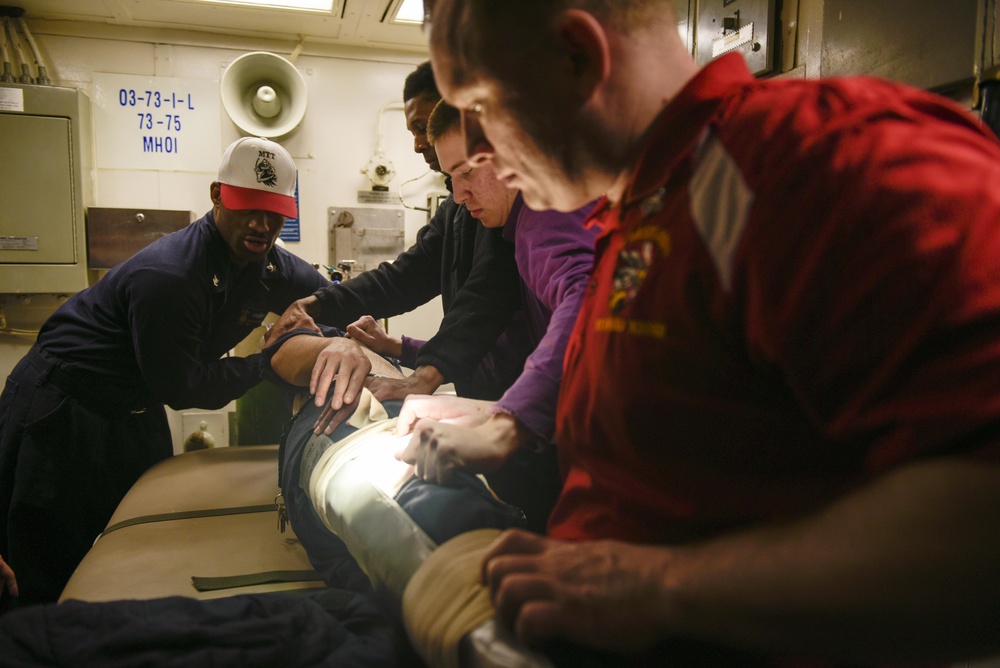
x,y
82,415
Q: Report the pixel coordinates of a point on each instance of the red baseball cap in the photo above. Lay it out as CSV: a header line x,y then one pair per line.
x,y
257,173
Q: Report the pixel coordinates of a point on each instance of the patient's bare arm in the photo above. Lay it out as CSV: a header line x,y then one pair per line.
x,y
317,363
294,361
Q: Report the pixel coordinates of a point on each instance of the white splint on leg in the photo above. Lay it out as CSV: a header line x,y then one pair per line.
x,y
447,612
352,488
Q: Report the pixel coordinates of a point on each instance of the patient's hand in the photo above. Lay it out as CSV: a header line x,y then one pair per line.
x,y
8,579
438,449
367,330
296,316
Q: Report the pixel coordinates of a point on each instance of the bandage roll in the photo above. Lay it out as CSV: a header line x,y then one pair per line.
x,y
446,605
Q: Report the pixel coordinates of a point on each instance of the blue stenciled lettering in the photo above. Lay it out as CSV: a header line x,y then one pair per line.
x,y
127,97
160,145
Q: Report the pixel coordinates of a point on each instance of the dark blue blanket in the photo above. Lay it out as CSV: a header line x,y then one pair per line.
x,y
317,629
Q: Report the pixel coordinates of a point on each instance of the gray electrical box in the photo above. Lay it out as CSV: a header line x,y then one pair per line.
x,y
43,189
365,236
746,26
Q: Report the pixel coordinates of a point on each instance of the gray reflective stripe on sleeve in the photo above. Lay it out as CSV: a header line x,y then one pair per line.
x,y
720,204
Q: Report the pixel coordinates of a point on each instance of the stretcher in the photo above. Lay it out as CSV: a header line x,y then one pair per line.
x,y
203,524
206,524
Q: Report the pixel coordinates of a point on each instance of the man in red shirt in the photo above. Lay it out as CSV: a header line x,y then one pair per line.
x,y
779,424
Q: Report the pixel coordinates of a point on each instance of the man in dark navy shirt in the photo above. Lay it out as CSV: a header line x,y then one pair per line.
x,y
82,415
483,339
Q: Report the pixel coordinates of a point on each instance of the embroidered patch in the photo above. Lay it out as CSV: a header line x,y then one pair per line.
x,y
265,172
642,246
633,265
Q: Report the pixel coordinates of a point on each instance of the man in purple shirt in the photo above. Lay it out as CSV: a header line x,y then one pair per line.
x,y
554,254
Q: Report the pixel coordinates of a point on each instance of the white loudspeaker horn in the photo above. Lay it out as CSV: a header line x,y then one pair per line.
x,y
264,95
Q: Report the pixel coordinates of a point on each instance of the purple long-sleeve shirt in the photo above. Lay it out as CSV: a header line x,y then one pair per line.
x,y
555,256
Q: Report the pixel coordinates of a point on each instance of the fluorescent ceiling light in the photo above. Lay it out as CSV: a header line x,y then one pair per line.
x,y
310,5
410,11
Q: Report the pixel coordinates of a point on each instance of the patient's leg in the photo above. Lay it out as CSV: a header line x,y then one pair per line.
x,y
393,523
327,552
365,521
357,490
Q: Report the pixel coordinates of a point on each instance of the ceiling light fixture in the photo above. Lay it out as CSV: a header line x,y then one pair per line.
x,y
304,5
410,12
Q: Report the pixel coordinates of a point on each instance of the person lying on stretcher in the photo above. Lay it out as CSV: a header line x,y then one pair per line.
x,y
301,359
368,522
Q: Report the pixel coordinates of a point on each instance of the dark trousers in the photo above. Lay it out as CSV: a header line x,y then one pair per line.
x,y
66,460
531,481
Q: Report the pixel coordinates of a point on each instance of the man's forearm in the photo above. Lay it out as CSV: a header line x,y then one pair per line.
x,y
428,377
294,361
904,569
423,380
509,433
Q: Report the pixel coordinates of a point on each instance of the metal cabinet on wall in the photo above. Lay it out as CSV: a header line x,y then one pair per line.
x,y
744,26
941,46
44,187
932,45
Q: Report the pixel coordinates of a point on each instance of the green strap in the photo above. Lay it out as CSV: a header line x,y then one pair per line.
x,y
230,581
187,514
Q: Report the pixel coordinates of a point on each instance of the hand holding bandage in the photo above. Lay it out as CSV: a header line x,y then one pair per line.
x,y
454,410
606,594
452,433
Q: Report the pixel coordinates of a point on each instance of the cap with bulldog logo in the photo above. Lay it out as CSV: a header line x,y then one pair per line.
x,y
257,173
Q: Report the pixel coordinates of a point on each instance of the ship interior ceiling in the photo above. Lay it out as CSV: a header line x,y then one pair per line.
x,y
114,114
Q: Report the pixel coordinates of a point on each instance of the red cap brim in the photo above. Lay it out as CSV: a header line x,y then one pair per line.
x,y
240,199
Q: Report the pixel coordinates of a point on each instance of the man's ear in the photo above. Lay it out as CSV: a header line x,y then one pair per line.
x,y
215,193
586,43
